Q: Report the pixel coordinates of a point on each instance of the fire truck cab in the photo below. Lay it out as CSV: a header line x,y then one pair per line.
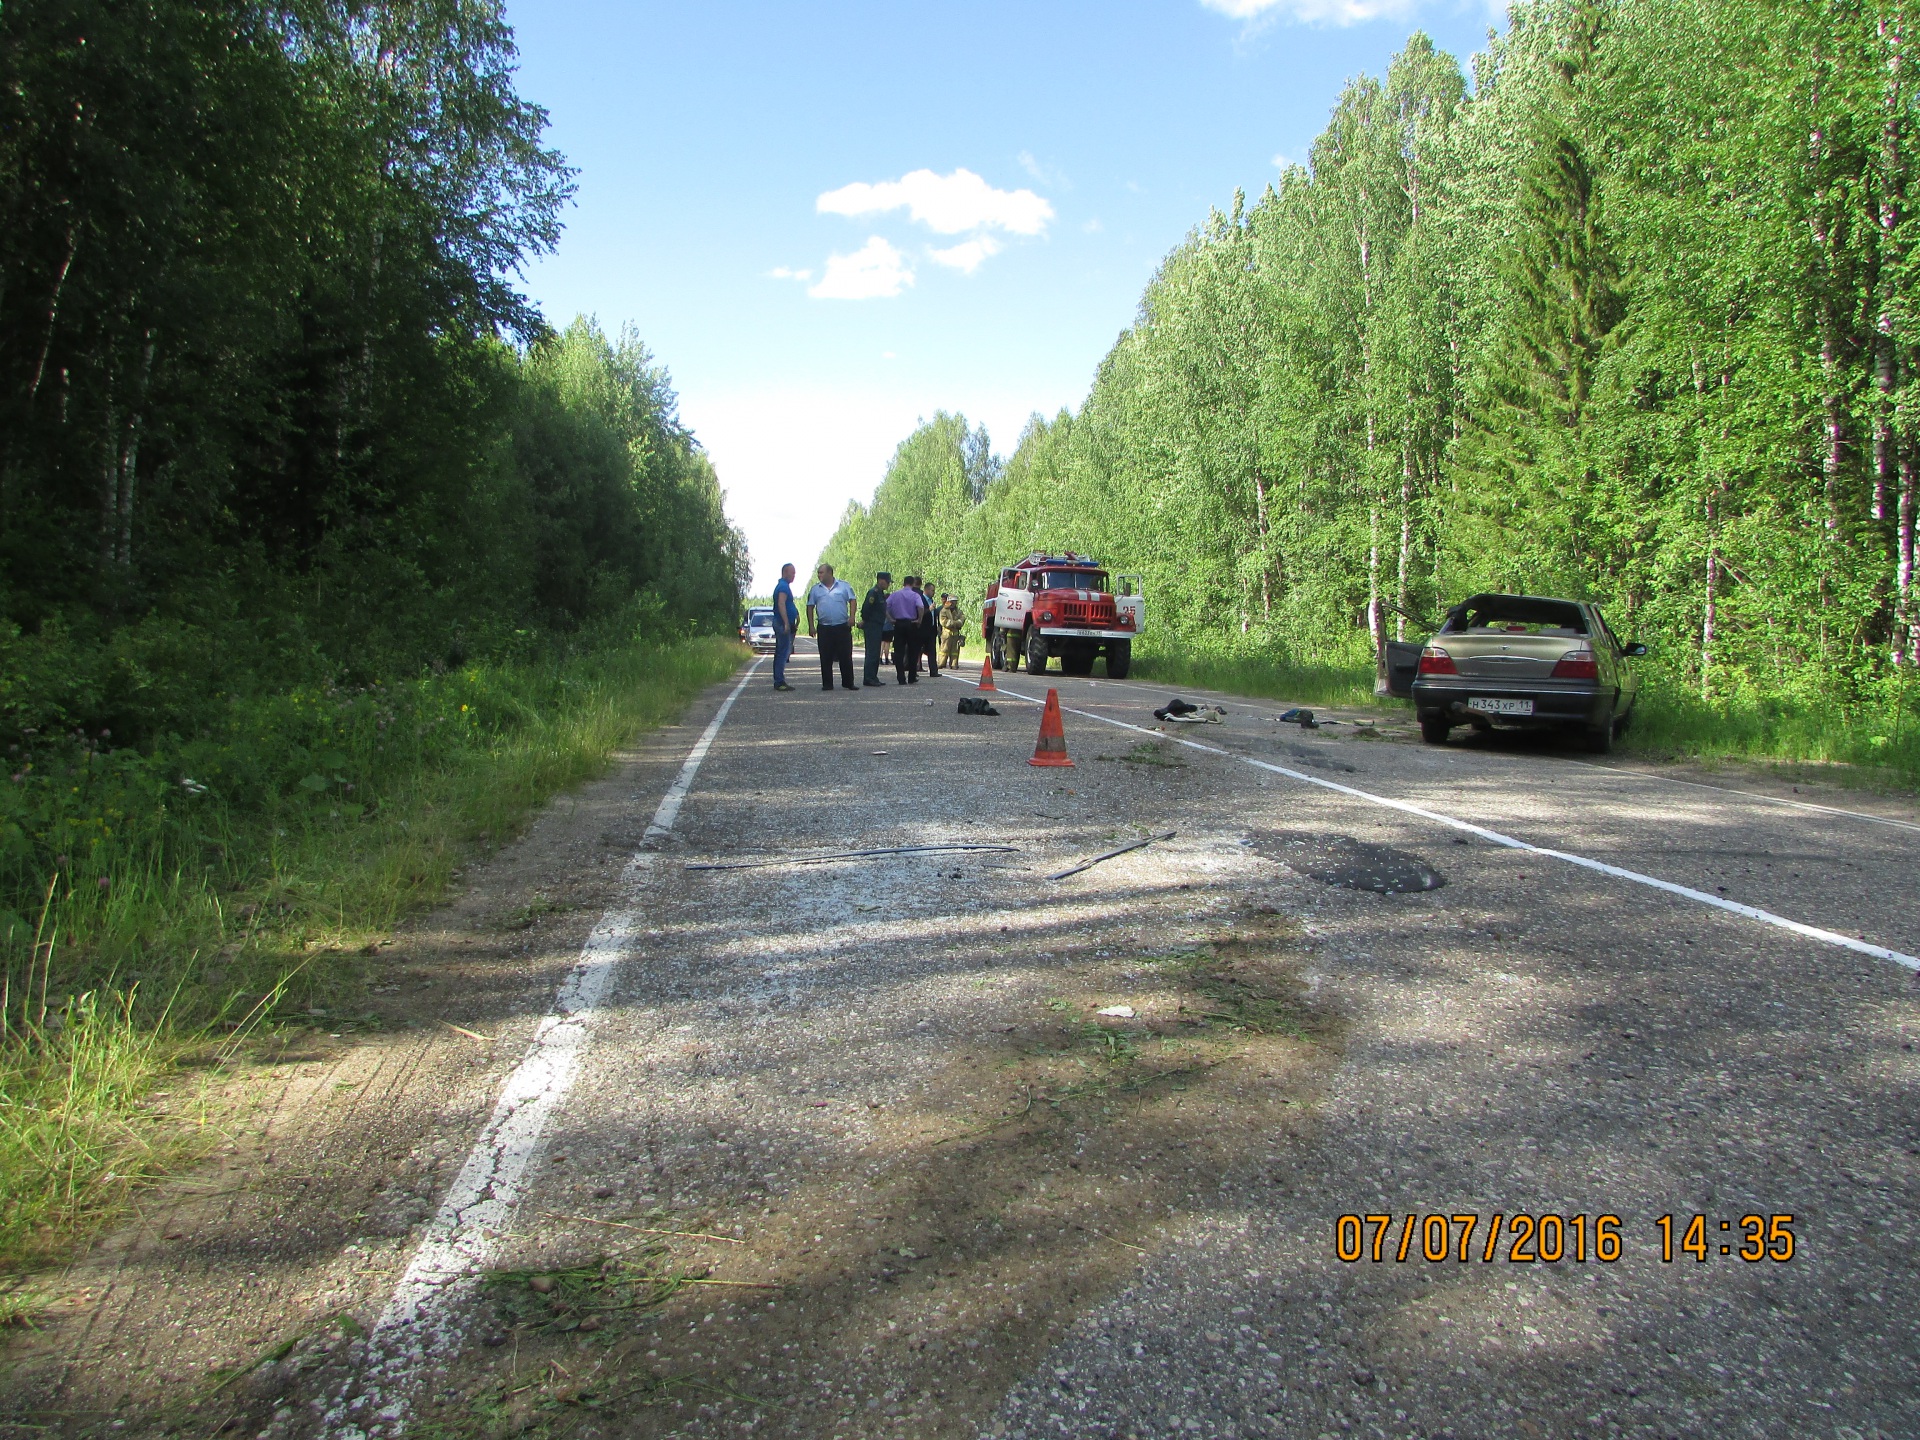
x,y
1063,605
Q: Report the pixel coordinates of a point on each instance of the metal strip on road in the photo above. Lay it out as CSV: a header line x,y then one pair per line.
x,y
418,1323
1766,917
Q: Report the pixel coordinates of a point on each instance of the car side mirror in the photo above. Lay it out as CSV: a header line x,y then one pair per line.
x,y
1636,650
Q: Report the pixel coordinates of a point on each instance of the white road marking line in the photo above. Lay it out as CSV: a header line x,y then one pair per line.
x,y
1767,917
419,1323
1663,779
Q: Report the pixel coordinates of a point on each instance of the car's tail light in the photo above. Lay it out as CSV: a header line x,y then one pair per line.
x,y
1577,665
1435,661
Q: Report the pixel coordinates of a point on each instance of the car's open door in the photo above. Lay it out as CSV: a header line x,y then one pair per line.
x,y
1403,663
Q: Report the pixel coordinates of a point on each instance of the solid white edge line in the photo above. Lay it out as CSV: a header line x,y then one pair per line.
x,y
1812,932
418,1324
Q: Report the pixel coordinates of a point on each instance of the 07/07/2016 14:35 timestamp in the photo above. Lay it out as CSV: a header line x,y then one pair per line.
x,y
1526,1239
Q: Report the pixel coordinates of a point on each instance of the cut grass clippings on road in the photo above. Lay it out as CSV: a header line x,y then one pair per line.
x,y
169,963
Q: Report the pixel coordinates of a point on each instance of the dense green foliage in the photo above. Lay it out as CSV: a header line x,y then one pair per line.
x,y
274,423
1629,319
321,554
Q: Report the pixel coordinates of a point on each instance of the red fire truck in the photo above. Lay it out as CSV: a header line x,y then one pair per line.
x,y
1062,605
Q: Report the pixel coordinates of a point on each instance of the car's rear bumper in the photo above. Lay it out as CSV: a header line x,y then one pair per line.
x,y
1555,703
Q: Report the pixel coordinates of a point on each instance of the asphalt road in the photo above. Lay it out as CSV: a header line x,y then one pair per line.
x,y
784,1053
1535,1039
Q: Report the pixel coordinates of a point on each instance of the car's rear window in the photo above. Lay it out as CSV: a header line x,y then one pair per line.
x,y
1516,615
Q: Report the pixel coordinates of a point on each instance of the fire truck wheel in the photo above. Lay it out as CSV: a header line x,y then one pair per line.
x,y
1036,653
1119,659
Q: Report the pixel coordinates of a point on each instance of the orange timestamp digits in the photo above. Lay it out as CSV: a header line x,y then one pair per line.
x,y
1521,1239
1529,1239
1757,1238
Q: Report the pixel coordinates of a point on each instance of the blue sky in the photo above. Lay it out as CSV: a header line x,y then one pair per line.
x,y
773,195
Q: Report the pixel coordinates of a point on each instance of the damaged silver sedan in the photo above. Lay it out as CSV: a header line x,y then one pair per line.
x,y
1526,662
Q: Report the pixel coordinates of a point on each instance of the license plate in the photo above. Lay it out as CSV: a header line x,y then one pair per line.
x,y
1500,707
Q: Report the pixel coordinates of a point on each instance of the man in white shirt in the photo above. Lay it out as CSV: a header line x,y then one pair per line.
x,y
830,603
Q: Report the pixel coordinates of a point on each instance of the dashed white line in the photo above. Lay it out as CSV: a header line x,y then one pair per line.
x,y
421,1322
1750,912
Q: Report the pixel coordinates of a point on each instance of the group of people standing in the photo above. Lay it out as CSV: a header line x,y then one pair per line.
x,y
902,626
906,622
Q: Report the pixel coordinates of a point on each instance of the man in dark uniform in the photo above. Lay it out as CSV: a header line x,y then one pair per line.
x,y
929,629
874,623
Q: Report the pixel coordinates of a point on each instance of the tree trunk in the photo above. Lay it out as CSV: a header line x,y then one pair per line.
x,y
1406,536
1708,615
1906,630
1260,515
53,312
1376,614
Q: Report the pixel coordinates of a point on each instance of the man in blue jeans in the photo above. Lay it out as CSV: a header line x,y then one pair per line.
x,y
786,619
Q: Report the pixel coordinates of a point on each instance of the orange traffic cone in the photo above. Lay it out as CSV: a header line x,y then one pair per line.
x,y
986,674
1051,748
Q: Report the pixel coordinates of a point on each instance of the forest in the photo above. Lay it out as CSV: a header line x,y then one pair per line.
x,y
272,413
321,550
1623,311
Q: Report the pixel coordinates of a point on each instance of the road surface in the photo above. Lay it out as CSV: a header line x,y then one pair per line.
x,y
910,1180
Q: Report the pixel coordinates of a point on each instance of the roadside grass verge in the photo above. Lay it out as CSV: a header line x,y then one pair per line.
x,y
162,950
1869,741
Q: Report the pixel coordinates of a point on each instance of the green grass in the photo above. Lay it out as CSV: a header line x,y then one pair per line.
x,y
158,957
1865,740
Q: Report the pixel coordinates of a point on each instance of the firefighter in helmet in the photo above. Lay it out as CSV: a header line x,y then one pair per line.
x,y
953,626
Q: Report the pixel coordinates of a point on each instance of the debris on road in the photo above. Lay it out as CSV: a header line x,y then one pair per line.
x,y
1097,859
1303,718
1185,712
1117,1012
846,855
976,705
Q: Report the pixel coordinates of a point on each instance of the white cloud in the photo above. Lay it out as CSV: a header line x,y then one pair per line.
x,y
948,204
966,256
875,271
1093,226
781,272
1281,162
1311,12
